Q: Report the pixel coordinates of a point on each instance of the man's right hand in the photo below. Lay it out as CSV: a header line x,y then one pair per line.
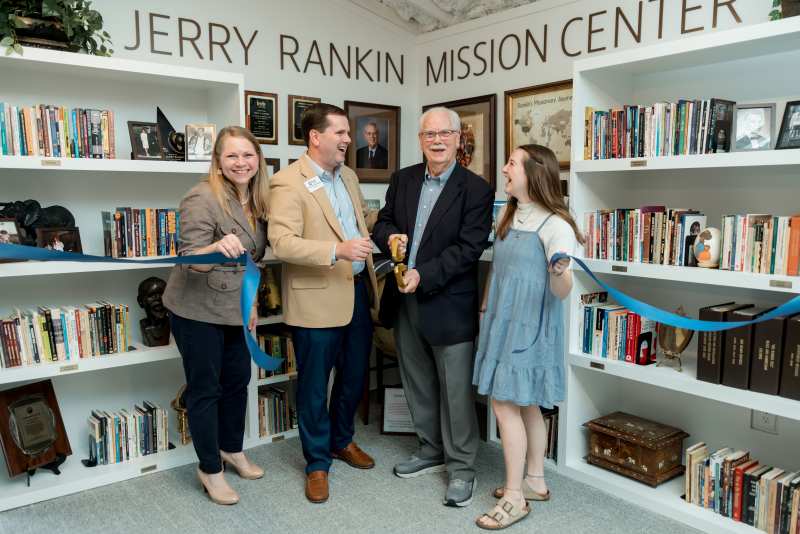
x,y
354,250
403,243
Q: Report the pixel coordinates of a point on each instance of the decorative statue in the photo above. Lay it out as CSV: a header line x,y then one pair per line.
x,y
707,247
155,327
30,215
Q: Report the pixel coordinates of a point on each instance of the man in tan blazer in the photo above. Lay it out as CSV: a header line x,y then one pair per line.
x,y
317,227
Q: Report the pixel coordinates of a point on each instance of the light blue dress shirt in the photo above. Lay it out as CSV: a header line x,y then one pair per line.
x,y
432,187
342,206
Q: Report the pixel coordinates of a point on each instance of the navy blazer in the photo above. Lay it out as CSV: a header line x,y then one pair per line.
x,y
447,260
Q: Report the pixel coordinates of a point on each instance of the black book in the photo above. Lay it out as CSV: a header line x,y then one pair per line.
x,y
719,138
765,366
751,489
711,345
790,374
738,349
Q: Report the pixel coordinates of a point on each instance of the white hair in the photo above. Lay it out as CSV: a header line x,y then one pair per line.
x,y
455,120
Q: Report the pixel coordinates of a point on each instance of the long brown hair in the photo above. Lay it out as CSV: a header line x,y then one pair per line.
x,y
224,190
544,188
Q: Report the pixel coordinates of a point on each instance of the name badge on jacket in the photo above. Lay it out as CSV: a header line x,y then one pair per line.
x,y
313,184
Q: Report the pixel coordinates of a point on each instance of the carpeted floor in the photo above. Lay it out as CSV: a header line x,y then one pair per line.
x,y
361,501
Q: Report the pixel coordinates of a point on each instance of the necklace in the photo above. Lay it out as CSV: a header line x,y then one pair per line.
x,y
521,220
246,200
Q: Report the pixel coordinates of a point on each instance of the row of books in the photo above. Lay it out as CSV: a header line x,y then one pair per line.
x,y
275,412
663,129
123,435
757,243
613,332
58,334
764,357
551,427
734,485
279,346
56,131
138,232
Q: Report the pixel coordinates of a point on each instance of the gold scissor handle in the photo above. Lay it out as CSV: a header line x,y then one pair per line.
x,y
399,269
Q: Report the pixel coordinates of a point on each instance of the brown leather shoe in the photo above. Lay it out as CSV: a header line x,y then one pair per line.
x,y
353,455
317,486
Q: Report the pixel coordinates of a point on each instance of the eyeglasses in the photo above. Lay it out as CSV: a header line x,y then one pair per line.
x,y
430,135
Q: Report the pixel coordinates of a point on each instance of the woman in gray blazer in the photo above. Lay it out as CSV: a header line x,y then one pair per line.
x,y
224,213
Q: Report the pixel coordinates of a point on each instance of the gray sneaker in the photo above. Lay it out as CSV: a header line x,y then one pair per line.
x,y
415,466
459,492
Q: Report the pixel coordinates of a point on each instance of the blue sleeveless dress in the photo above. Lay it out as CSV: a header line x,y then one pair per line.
x,y
520,355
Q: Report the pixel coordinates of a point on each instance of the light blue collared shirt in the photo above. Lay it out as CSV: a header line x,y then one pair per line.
x,y
432,187
342,206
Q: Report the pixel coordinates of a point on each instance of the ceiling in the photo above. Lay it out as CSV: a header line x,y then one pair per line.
x,y
420,16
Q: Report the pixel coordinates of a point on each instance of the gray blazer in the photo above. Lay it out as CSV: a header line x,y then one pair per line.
x,y
211,297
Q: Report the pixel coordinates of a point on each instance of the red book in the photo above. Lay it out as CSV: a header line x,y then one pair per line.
x,y
738,484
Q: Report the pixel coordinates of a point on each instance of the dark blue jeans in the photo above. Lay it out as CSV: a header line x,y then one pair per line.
x,y
318,350
217,368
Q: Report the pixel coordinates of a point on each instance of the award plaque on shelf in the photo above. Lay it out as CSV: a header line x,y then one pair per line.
x,y
32,432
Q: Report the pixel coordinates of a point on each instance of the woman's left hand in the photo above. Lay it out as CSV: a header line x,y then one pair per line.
x,y
559,267
253,317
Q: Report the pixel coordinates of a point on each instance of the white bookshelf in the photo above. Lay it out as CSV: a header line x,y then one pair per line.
x,y
132,89
705,66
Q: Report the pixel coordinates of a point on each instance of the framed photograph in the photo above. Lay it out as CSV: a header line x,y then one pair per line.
x,y
273,165
61,239
297,105
789,135
9,234
541,115
200,141
478,142
396,417
261,116
375,150
145,140
753,125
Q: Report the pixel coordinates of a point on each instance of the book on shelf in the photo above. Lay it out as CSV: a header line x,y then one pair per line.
x,y
767,356
739,348
790,374
56,131
711,345
278,345
275,411
140,232
613,332
62,334
116,437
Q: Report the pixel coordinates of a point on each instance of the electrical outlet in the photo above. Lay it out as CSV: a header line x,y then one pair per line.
x,y
763,421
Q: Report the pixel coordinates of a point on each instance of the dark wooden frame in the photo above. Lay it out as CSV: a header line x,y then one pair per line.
x,y
274,163
266,96
383,413
491,127
41,242
785,124
526,91
375,176
154,126
292,99
16,227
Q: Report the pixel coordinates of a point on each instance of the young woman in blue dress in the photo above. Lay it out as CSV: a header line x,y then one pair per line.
x,y
520,357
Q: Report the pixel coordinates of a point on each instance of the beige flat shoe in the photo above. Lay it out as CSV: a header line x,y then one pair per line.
x,y
220,495
243,467
503,515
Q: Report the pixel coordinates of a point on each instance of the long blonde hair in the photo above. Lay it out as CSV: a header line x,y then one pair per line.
x,y
224,189
544,187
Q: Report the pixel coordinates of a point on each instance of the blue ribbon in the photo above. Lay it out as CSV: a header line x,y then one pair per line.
x,y
252,278
661,316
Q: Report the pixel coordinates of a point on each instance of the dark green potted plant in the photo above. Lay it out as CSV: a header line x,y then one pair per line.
x,y
61,24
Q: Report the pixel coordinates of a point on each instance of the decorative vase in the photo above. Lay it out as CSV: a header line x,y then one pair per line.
x,y
707,248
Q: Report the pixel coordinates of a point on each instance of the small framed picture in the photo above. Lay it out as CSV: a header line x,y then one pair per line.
x,y
61,239
9,234
789,135
261,116
145,140
396,417
273,165
375,150
297,105
200,141
753,124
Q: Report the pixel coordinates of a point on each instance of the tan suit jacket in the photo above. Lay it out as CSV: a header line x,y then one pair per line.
x,y
210,297
302,232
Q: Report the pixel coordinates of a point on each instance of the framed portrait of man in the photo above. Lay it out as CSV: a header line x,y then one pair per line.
x,y
59,239
297,105
789,135
261,116
753,125
478,141
145,140
200,141
375,150
541,115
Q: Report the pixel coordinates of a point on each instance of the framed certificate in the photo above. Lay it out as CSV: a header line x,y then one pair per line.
x,y
396,416
261,116
297,105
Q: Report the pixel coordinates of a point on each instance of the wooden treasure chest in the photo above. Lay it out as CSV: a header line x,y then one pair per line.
x,y
637,448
